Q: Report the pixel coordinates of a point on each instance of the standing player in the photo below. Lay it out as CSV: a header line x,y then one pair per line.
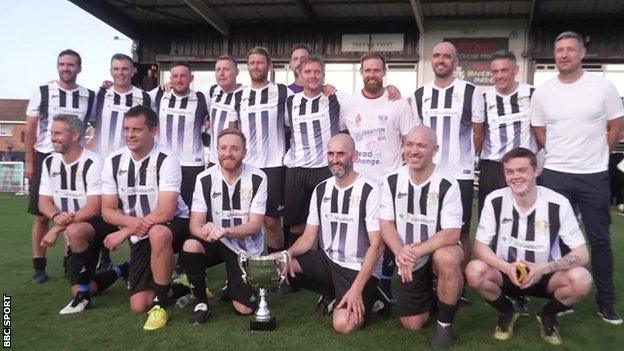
x,y
298,53
453,108
62,96
536,227
222,102
577,118
421,217
261,111
143,180
378,125
313,118
182,113
69,195
344,219
227,216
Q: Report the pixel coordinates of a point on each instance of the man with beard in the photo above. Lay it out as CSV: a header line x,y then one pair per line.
x,y
453,108
344,219
228,211
535,227
577,118
378,125
70,196
298,53
421,217
62,96
141,195
261,111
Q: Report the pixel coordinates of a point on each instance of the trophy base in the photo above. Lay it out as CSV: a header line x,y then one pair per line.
x,y
264,325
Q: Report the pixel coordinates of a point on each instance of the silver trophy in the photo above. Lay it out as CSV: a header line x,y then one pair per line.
x,y
261,273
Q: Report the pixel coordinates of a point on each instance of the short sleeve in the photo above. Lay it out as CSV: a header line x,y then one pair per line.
x,y
613,102
170,174
570,232
313,215
152,94
45,186
234,114
486,230
536,110
94,178
372,211
258,203
32,110
478,106
109,185
199,200
386,209
451,212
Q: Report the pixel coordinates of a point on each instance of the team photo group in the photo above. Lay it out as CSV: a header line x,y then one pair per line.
x,y
348,191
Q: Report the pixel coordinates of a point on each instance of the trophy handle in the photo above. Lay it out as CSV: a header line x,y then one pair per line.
x,y
285,263
242,262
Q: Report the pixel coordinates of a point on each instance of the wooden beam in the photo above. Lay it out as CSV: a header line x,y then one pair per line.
x,y
418,15
210,15
110,15
308,10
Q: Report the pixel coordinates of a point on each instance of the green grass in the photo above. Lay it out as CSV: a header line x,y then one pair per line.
x,y
111,325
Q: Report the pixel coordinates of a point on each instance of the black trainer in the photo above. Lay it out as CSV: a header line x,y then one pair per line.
x,y
549,329
609,314
201,312
520,305
443,338
40,277
325,305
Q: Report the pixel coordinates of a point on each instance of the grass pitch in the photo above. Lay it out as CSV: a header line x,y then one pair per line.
x,y
110,325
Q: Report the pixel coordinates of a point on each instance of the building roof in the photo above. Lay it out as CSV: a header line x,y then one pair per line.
x,y
13,110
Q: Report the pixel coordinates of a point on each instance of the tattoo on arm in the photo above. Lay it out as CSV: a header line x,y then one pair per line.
x,y
568,261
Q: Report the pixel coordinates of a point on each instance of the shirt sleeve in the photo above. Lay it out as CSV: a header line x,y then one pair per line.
x,y
94,178
109,186
386,209
199,200
487,224
372,211
235,115
451,212
33,104
613,102
258,203
570,232
45,185
536,110
313,215
170,174
478,106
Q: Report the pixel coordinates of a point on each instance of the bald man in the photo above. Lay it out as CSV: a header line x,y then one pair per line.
x,y
454,109
344,217
420,218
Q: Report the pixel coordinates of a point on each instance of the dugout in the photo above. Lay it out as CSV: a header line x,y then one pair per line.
x,y
341,30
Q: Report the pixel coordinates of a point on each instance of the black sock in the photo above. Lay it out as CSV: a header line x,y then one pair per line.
x,y
85,262
553,306
180,290
387,264
105,279
502,304
446,313
39,264
160,292
105,255
195,266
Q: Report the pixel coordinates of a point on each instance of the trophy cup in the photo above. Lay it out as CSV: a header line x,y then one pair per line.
x,y
261,273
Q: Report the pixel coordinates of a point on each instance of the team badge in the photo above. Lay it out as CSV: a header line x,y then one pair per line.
x,y
354,200
458,97
524,101
358,120
245,193
541,225
432,198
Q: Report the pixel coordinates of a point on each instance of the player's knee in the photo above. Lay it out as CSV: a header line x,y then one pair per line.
x,y
447,260
242,309
74,233
414,322
580,281
160,236
192,246
475,273
138,305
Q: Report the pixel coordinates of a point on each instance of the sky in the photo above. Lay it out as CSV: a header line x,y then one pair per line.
x,y
33,32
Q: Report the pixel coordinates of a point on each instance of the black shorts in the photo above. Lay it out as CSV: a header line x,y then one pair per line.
x,y
275,191
102,229
140,272
539,289
327,276
466,188
299,185
491,177
416,297
189,174
33,184
238,290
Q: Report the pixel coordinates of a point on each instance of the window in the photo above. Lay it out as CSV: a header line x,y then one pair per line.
x,y
6,129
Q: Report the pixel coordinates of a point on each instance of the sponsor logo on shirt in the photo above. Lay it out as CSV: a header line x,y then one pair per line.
x,y
228,214
339,217
523,244
383,119
416,218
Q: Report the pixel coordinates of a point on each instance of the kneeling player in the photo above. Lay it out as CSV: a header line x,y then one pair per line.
x,y
70,197
344,215
533,227
421,217
229,202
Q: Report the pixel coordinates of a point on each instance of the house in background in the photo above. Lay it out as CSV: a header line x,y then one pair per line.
x,y
12,129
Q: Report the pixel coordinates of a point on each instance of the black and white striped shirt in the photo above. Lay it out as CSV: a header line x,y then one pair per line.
x,y
508,124
313,122
50,100
421,210
181,119
450,112
70,184
545,233
346,217
261,115
222,112
229,205
110,108
138,182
